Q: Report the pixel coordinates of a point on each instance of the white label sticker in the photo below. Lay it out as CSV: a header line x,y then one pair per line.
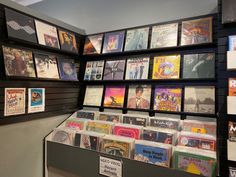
x,y
110,167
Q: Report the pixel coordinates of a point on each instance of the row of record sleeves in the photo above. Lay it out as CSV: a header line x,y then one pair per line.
x,y
23,27
154,145
194,66
24,63
196,99
195,31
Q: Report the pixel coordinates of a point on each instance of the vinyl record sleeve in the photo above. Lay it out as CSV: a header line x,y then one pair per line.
x,y
36,100
232,86
135,119
164,122
99,126
113,42
67,69
114,96
232,131
93,44
130,131
114,70
68,41
110,117
94,70
93,95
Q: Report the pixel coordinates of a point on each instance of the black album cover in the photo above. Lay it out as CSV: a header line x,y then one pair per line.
x,y
232,131
20,26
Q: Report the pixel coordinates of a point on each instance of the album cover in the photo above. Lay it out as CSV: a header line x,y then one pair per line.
x,y
93,95
135,119
153,153
197,31
139,96
114,70
194,140
194,162
93,44
232,131
47,34
166,67
110,117
99,126
67,69
86,114
20,26
18,62
63,135
164,122
68,41
137,68
75,124
118,146
36,100
14,101
232,86
228,11
232,172
168,99
159,135
130,131
199,126
231,64
200,99
164,36
46,66
94,70
114,96
199,66
137,39
232,43
113,42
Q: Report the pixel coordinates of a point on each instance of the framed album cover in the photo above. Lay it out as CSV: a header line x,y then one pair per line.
x,y
164,36
197,31
46,66
68,41
67,69
114,70
199,99
36,100
18,62
47,34
114,96
137,39
199,66
14,101
113,42
139,96
20,26
93,44
94,70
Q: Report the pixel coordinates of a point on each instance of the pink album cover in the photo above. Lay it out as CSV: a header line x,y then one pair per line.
x,y
130,132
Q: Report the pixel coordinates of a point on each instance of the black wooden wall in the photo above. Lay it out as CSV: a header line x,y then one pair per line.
x,y
61,96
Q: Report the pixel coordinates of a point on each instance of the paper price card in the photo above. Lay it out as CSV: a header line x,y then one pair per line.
x,y
110,167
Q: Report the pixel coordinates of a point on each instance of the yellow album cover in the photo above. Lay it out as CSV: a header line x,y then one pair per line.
x,y
99,126
166,67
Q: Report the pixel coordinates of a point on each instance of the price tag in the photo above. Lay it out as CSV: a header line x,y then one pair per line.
x,y
110,167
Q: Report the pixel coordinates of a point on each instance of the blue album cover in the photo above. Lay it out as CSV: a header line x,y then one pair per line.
x,y
153,155
113,42
155,136
67,69
232,43
37,96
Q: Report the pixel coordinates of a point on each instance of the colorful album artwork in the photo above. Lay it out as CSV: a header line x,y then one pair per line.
x,y
110,117
232,43
127,131
94,70
68,41
67,69
47,34
14,101
164,36
139,96
36,100
166,67
18,62
93,95
200,99
114,96
20,26
232,86
46,66
75,124
196,31
114,70
113,42
137,39
137,68
93,44
89,141
199,66
168,99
